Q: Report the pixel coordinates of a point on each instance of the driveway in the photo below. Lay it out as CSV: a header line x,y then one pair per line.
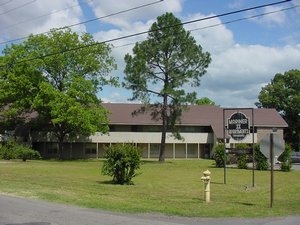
x,y
22,211
296,166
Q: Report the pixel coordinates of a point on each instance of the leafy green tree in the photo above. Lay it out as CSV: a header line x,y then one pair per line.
x,y
18,85
73,112
122,161
205,101
57,75
161,68
283,94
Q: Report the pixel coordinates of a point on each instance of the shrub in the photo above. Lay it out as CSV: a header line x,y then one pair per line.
x,y
6,152
242,158
242,146
219,155
13,150
24,153
122,161
285,158
261,162
242,161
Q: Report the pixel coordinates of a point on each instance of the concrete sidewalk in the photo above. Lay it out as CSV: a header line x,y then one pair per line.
x,y
21,211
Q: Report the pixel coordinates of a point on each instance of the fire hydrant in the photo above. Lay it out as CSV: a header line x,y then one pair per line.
x,y
206,181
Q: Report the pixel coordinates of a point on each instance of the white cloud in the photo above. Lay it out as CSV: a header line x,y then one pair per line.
x,y
237,4
125,20
237,75
113,95
37,17
270,18
210,34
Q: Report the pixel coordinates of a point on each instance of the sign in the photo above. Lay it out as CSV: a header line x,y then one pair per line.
x,y
272,145
278,145
238,126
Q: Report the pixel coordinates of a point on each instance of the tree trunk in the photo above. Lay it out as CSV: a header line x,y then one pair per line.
x,y
60,146
164,129
162,144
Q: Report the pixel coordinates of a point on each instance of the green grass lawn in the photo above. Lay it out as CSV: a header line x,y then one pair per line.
x,y
172,188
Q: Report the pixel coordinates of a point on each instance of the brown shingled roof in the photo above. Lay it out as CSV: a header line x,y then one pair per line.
x,y
204,115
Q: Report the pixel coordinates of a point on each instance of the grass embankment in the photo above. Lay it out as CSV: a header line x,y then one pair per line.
x,y
172,188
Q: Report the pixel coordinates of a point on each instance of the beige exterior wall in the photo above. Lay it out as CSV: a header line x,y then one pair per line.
x,y
149,137
261,132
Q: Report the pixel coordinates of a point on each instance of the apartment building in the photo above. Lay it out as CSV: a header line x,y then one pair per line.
x,y
201,127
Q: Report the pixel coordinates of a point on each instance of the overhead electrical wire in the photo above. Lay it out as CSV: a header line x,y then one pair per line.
x,y
145,32
247,18
88,21
41,16
18,7
5,2
228,22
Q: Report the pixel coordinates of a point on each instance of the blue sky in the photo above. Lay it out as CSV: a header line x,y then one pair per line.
x,y
245,54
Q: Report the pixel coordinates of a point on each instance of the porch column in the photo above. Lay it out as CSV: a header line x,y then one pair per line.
x,y
174,151
97,149
186,150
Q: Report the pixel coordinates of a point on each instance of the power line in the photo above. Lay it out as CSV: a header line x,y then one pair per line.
x,y
18,7
6,2
87,21
41,16
145,32
246,18
235,12
193,21
227,22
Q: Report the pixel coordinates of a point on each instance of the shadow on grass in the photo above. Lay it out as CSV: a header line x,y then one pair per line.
x,y
71,160
109,182
244,203
155,161
214,167
213,182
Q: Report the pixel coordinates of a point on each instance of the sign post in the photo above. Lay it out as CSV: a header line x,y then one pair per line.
x,y
272,170
271,145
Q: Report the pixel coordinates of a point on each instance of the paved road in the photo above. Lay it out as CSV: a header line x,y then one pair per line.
x,y
21,211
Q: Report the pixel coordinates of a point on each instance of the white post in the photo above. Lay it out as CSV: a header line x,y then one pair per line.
x,y
206,180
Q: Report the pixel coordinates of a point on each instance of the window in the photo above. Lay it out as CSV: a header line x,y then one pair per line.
x,y
195,129
157,128
90,149
154,150
52,148
52,151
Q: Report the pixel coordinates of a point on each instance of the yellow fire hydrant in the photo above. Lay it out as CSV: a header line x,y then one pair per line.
x,y
206,180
